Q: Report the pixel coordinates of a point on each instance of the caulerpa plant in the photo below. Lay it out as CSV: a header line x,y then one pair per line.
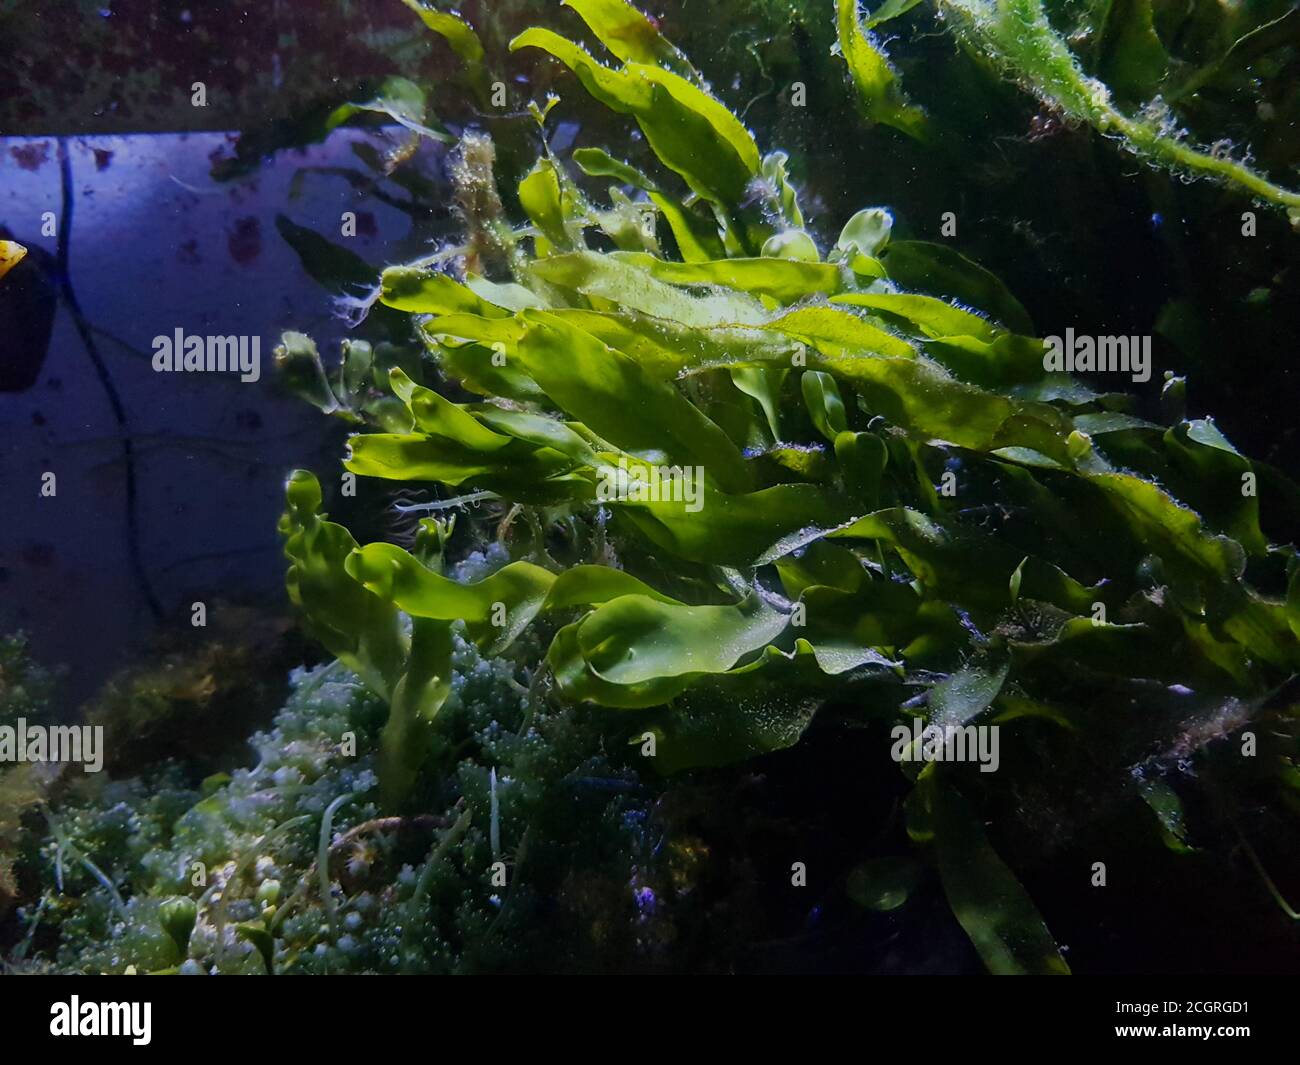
x,y
900,511
1017,37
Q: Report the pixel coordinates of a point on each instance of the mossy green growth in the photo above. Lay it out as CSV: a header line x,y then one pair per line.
x,y
153,875
25,691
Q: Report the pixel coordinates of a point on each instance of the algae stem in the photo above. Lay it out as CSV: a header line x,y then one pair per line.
x,y
1268,880
323,855
1166,149
105,882
436,855
439,851
1019,35
494,832
445,504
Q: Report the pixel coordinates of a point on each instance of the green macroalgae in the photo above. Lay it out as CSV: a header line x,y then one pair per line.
x,y
893,493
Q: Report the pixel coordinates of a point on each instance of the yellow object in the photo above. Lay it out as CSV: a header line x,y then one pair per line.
x,y
11,254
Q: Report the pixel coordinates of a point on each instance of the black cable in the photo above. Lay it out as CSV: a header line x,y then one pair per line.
x,y
86,332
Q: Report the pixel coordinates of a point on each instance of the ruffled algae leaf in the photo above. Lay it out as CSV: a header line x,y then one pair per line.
x,y
989,902
540,196
455,30
877,85
462,39
360,628
691,132
939,270
631,36
1131,57
728,719
397,98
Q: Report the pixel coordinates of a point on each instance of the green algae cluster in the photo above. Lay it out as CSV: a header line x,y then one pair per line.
x,y
898,498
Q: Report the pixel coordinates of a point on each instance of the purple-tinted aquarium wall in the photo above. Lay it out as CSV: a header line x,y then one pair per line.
x,y
166,485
